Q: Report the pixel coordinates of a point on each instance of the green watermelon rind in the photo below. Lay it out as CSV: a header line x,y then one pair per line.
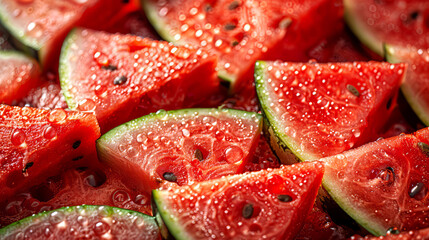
x,y
110,211
407,88
359,28
117,132
347,206
161,27
172,222
18,33
283,146
64,68
8,54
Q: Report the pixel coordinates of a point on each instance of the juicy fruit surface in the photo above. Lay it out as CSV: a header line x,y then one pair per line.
x,y
94,185
239,32
125,77
38,142
19,75
394,22
415,86
383,184
84,222
410,235
268,204
319,110
182,146
46,95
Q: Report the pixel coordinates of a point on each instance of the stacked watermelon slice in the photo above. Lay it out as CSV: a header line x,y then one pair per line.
x,y
203,119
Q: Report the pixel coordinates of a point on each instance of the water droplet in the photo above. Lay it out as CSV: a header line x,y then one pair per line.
x,y
49,132
57,115
56,217
87,105
186,132
34,30
233,154
393,230
120,197
18,137
101,228
141,199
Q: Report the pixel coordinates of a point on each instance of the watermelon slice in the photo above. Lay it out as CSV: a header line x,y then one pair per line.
x,y
422,234
397,23
183,146
41,26
84,222
415,87
383,184
19,74
318,110
269,204
242,31
36,143
122,77
94,185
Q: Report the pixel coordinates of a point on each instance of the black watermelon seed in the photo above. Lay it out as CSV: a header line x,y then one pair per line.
x,y
110,67
125,1
169,176
199,155
208,8
230,26
77,158
393,230
416,189
234,43
119,80
353,90
284,198
27,166
389,103
414,15
247,211
233,5
286,22
424,147
76,144
81,169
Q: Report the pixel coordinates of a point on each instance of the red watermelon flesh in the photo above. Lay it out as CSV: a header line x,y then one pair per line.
x,y
19,74
182,146
422,234
319,110
36,143
47,95
263,157
43,25
398,23
383,184
240,32
122,77
95,185
269,204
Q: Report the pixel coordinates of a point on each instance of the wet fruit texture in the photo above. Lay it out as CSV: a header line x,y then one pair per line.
x,y
397,23
383,184
122,77
36,143
41,26
183,146
422,234
240,32
84,222
318,110
269,204
415,87
46,95
19,75
94,185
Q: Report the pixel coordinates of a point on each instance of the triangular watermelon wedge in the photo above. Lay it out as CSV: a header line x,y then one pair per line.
x,y
416,84
37,143
182,146
269,204
39,27
384,184
315,110
241,32
122,77
19,74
